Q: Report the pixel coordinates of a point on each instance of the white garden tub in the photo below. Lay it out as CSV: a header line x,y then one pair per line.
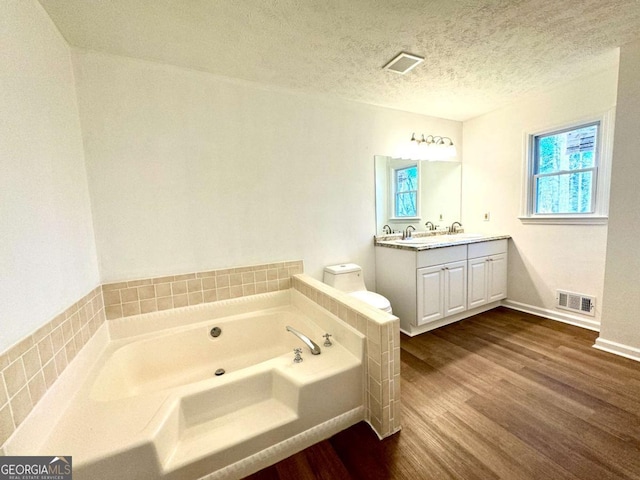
x,y
149,405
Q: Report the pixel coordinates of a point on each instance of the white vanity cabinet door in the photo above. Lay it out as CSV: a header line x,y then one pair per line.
x,y
430,283
497,275
487,279
442,291
478,292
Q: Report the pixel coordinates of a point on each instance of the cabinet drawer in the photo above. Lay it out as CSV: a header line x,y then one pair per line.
x,y
482,249
437,256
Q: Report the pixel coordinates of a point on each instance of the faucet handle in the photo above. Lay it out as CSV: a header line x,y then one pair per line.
x,y
298,357
327,342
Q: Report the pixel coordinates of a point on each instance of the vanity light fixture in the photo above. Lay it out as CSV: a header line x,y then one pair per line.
x,y
433,147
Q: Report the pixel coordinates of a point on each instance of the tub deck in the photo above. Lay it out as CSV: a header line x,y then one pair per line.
x,y
182,422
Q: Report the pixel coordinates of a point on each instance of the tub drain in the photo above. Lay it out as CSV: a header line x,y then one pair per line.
x,y
219,372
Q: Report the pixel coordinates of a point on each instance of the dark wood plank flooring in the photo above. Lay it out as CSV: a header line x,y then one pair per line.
x,y
500,395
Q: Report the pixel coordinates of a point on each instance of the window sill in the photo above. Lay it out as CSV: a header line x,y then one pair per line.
x,y
565,220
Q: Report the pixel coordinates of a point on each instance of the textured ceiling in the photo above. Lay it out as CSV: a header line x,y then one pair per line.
x,y
480,54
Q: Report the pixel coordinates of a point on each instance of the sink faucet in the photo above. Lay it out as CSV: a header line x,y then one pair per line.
x,y
430,226
315,349
387,230
407,232
454,227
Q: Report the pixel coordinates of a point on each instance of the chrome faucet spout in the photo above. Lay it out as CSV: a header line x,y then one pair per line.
x,y
315,349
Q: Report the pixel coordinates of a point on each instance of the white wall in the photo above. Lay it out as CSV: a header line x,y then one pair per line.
x,y
621,315
543,258
190,171
47,253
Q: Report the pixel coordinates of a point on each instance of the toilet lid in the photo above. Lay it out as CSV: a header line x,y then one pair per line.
x,y
372,298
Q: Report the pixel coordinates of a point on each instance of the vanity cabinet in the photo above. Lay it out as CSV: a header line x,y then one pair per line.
x,y
487,279
432,287
442,291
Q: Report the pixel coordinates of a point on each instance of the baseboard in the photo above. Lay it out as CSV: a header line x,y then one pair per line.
x,y
626,351
552,315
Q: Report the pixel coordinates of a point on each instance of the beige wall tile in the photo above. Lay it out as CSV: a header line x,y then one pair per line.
x,y
70,349
209,296
112,297
195,298
6,423
261,287
67,330
4,397
18,350
21,406
194,285
15,377
165,303
163,290
50,373
223,293
147,306
31,361
113,311
168,279
186,276
146,292
235,291
180,301
114,286
272,274
130,309
129,295
37,387
261,276
178,288
209,283
222,281
235,279
139,283
60,359
248,290
248,277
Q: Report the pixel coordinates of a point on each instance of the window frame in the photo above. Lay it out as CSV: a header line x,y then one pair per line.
x,y
600,184
393,190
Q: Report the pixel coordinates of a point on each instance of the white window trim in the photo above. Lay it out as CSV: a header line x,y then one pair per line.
x,y
392,189
600,215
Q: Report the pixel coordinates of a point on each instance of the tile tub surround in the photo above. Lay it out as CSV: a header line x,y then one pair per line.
x,y
382,331
30,367
125,299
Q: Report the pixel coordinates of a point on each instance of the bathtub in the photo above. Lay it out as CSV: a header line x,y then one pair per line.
x,y
144,401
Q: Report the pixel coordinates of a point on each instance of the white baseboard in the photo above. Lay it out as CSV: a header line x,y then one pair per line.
x,y
617,348
553,315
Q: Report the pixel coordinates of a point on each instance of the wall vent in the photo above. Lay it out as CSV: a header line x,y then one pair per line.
x,y
576,302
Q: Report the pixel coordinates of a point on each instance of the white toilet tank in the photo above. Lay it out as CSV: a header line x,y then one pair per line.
x,y
347,277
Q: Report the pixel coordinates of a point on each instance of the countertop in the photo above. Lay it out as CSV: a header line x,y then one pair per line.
x,y
427,242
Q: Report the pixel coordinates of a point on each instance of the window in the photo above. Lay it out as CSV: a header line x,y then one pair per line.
x,y
567,173
405,185
565,169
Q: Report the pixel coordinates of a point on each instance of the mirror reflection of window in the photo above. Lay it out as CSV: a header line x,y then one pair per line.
x,y
406,192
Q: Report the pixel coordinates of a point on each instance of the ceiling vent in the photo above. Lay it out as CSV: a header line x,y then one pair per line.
x,y
403,63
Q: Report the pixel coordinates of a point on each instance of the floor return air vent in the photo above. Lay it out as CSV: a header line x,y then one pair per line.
x,y
576,302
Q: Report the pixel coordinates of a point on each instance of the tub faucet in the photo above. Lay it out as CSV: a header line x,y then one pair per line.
x,y
315,349
454,227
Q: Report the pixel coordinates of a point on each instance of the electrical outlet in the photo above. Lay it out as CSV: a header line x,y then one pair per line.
x,y
487,216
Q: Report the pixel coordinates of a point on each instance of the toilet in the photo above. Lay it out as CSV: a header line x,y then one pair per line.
x,y
347,277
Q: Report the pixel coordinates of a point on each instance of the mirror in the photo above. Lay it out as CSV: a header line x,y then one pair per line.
x,y
413,192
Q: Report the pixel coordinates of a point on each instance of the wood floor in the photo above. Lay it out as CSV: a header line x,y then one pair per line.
x,y
500,395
